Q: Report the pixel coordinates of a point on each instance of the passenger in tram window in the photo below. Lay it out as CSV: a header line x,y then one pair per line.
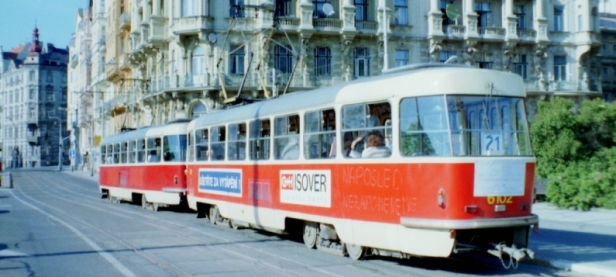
x,y
291,150
153,158
372,120
346,149
375,146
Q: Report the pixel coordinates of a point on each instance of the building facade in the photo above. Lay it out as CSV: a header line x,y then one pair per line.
x,y
33,95
80,95
170,59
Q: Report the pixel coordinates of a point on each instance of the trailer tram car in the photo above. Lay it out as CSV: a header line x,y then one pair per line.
x,y
146,165
425,160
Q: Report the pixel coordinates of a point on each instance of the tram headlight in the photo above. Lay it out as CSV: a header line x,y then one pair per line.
x,y
441,198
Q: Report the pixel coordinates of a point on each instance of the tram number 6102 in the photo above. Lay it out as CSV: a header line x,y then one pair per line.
x,y
500,200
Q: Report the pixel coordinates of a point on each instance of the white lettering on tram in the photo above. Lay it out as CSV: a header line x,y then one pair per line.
x,y
306,187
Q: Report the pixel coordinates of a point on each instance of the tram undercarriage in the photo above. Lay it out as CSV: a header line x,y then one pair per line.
x,y
504,243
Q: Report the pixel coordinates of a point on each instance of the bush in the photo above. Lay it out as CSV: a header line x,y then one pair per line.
x,y
575,149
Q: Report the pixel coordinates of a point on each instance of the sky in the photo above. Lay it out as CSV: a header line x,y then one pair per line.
x,y
55,20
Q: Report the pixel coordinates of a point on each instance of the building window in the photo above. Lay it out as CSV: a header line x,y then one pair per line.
x,y
189,8
283,7
486,61
401,11
199,110
322,61
559,19
49,93
32,95
520,13
31,75
443,56
49,76
402,58
446,20
362,62
361,10
560,68
580,22
198,65
484,12
237,8
317,8
283,59
236,61
520,65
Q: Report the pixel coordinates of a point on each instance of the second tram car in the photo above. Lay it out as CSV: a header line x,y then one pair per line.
x,y
145,165
424,160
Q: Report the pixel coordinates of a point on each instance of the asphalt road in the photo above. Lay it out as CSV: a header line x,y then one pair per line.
x,y
54,224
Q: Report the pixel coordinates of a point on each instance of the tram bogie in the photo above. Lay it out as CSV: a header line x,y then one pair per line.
x,y
425,161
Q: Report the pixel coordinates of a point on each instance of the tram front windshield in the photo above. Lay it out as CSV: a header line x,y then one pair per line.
x,y
459,125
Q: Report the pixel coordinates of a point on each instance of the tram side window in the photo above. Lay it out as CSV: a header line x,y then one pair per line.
x,y
236,142
116,154
259,139
217,142
103,154
319,133
424,127
286,137
124,153
201,144
153,149
174,148
366,130
140,150
132,151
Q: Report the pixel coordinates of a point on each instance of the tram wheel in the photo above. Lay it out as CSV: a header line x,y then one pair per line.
x,y
310,234
356,252
214,215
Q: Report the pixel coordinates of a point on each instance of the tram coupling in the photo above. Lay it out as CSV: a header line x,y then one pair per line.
x,y
515,254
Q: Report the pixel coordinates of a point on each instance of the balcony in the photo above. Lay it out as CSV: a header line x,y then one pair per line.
x,y
32,121
288,23
454,31
366,26
158,30
492,33
119,101
124,22
527,35
33,140
192,25
327,24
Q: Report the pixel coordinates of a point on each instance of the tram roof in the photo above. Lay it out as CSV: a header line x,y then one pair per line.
x,y
421,79
126,136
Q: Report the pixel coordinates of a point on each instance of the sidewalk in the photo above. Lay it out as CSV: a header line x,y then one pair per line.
x,y
582,242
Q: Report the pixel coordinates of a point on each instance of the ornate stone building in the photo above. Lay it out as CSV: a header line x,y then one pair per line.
x,y
33,95
185,58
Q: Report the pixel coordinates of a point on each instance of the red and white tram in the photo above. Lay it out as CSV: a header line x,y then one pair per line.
x,y
424,160
145,165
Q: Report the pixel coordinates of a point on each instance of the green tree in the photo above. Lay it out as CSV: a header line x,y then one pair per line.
x,y
575,148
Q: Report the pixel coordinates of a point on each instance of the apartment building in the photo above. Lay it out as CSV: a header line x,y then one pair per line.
x,y
156,60
33,88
